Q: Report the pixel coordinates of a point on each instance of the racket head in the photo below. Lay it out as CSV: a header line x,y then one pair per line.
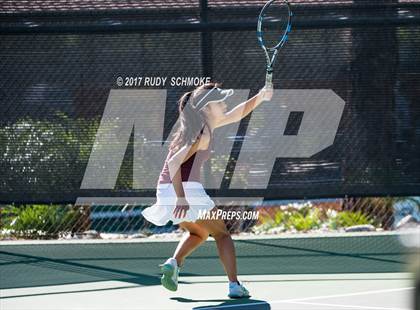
x,y
274,24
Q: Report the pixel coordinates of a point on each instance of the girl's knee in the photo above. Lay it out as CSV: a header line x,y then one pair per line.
x,y
196,230
202,235
219,230
221,235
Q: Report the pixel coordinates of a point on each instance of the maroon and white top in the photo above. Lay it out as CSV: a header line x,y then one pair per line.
x,y
190,170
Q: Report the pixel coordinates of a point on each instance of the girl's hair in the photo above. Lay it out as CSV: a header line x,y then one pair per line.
x,y
191,121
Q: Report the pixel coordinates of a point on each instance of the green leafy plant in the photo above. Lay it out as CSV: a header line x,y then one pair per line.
x,y
267,221
347,219
40,221
302,222
41,154
379,209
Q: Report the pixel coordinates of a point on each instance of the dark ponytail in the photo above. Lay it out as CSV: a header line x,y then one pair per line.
x,y
191,121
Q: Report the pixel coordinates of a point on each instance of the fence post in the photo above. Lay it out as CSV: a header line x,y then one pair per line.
x,y
206,63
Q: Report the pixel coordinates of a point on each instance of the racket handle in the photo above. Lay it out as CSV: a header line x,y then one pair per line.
x,y
269,79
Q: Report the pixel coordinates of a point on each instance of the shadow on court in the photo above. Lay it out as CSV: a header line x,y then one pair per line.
x,y
245,304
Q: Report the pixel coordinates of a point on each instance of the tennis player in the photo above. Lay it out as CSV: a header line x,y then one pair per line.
x,y
181,196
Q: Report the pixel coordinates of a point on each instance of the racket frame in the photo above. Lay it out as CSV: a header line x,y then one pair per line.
x,y
275,49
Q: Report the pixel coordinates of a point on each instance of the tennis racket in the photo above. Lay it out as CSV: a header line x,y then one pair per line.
x,y
274,25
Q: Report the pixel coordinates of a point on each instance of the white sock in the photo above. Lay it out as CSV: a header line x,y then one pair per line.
x,y
172,261
233,283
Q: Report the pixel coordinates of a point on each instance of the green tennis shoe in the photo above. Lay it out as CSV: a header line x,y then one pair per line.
x,y
170,273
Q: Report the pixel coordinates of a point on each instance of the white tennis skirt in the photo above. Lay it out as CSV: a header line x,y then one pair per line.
x,y
162,211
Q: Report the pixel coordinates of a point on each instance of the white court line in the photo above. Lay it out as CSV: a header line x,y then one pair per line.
x,y
297,300
343,306
346,295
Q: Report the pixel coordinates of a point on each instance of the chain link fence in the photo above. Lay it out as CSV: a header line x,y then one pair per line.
x,y
57,74
269,218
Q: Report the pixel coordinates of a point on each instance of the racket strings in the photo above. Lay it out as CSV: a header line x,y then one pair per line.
x,y
275,20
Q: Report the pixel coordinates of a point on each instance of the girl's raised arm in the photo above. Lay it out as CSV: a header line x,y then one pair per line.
x,y
243,109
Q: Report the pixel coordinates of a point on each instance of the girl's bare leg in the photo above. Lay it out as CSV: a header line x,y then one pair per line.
x,y
195,236
225,246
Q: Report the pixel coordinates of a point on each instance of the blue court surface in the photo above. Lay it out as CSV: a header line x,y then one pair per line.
x,y
336,272
340,291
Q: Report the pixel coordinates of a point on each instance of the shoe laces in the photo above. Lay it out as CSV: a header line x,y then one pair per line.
x,y
244,285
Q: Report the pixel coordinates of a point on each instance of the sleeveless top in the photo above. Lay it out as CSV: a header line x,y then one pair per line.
x,y
190,169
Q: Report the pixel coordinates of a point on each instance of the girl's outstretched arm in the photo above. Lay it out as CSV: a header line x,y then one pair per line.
x,y
243,109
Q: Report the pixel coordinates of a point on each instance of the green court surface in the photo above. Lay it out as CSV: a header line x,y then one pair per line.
x,y
341,272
